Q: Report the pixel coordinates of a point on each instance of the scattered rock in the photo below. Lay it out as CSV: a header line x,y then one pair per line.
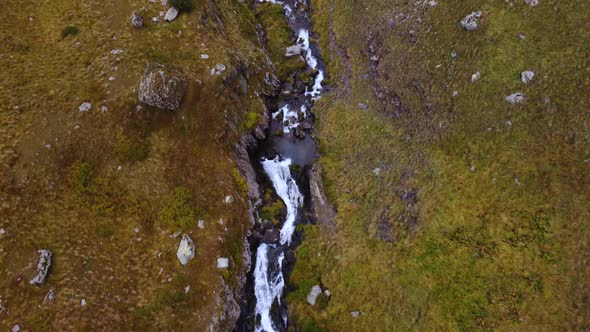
x,y
377,171
455,93
83,302
228,199
2,231
531,3
16,328
85,107
293,51
43,266
515,98
313,294
162,87
475,77
356,313
49,297
522,36
454,54
222,263
471,21
187,289
204,56
527,76
116,51
136,20
186,250
171,14
201,224
155,19
219,68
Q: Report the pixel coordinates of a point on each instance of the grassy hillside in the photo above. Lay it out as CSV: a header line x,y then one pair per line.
x,y
106,190
456,209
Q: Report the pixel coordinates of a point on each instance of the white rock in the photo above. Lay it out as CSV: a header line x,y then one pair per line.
x,y
228,199
204,56
83,302
313,294
171,14
85,107
116,51
293,50
201,224
16,328
187,289
43,266
475,77
104,108
515,98
222,263
527,76
186,250
531,3
155,20
2,231
377,171
471,21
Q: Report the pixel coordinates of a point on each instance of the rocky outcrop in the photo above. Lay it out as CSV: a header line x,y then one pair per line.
x,y
43,266
186,250
162,87
323,212
293,51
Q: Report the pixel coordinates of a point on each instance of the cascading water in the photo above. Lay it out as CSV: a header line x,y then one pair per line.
x,y
290,148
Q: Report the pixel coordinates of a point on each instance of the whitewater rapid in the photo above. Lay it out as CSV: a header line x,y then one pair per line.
x,y
269,281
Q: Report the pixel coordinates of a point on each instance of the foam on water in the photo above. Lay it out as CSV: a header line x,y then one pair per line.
x,y
267,288
280,175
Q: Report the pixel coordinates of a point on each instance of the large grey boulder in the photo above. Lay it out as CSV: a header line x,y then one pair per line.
x,y
471,21
43,266
171,14
186,250
162,87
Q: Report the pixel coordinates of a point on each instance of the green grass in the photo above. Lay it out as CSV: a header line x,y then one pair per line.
x,y
70,30
501,206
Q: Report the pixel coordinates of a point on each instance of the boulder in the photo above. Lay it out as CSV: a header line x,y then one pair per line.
x,y
515,98
43,266
475,77
171,14
186,250
162,87
136,20
471,21
293,51
222,263
531,3
271,236
313,294
527,76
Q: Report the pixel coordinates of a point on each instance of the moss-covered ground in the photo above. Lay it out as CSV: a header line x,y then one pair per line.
x,y
107,189
497,235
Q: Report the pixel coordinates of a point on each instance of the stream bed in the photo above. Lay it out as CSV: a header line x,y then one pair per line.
x,y
285,158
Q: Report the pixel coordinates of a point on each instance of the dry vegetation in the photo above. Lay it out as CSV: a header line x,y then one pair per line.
x,y
106,190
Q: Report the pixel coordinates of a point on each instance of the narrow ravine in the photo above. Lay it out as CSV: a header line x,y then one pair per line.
x,y
285,159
